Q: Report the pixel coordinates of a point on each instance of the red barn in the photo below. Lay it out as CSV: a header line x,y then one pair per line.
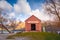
x,y
33,24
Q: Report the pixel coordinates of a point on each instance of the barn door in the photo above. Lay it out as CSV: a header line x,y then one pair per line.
x,y
33,27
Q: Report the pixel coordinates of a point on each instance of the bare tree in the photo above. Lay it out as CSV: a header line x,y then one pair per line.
x,y
53,7
13,25
2,19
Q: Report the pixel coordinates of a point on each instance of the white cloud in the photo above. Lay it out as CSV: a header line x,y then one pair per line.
x,y
40,14
12,14
22,6
5,5
17,8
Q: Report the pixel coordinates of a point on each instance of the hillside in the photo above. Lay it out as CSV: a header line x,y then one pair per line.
x,y
37,36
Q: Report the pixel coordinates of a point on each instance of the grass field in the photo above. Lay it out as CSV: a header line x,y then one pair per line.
x,y
37,35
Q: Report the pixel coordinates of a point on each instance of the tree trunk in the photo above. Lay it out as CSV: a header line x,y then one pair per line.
x,y
5,28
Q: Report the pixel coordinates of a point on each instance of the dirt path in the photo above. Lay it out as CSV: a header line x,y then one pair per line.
x,y
3,37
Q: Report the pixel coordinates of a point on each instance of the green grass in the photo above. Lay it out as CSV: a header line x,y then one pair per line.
x,y
37,35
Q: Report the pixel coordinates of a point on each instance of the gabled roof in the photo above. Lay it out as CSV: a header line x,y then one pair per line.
x,y
32,16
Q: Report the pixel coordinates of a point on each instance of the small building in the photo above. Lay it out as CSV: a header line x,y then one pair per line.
x,y
33,24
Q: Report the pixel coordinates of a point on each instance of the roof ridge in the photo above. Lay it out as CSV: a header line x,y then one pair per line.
x,y
34,16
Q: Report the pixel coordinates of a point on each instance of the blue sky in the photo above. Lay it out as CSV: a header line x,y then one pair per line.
x,y
12,2
22,9
34,4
